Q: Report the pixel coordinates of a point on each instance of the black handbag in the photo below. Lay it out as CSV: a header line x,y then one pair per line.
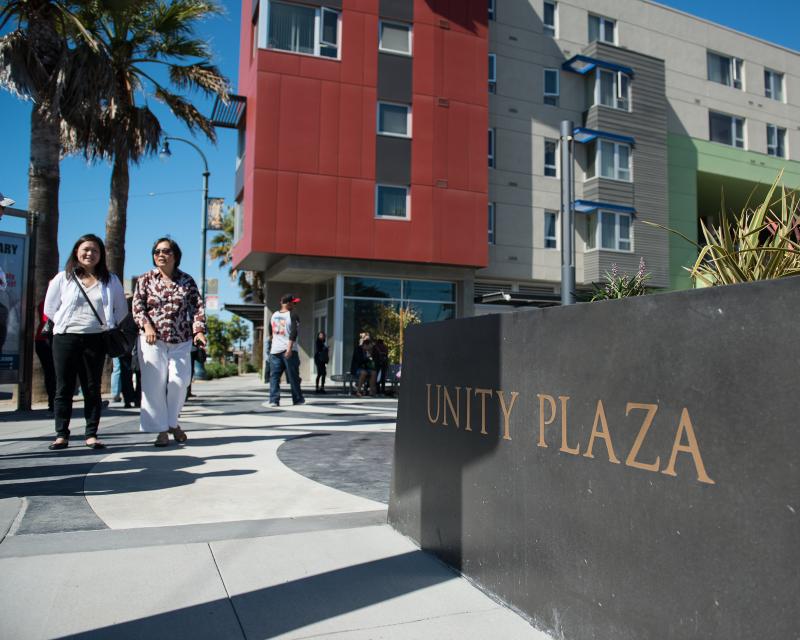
x,y
118,340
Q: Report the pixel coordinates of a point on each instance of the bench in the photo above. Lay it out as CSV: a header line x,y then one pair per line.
x,y
348,380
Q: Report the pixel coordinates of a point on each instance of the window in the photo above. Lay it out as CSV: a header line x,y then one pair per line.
x,y
609,230
726,129
492,73
614,160
549,18
394,119
551,230
725,70
602,29
612,89
550,158
773,85
491,148
491,9
301,29
491,223
240,146
776,141
391,202
551,87
395,38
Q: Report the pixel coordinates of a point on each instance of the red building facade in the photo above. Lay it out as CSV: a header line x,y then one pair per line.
x,y
363,155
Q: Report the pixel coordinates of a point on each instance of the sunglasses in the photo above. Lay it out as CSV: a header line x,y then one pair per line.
x,y
165,252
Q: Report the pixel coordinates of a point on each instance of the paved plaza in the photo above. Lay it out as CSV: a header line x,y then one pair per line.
x,y
268,523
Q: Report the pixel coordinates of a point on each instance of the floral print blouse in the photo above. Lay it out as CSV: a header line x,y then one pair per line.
x,y
175,309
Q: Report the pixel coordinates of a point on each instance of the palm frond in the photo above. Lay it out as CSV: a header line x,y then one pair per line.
x,y
204,76
187,113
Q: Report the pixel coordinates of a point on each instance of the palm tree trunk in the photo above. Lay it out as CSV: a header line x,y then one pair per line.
x,y
44,179
117,220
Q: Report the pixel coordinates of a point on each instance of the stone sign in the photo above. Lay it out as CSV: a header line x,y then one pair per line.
x,y
625,469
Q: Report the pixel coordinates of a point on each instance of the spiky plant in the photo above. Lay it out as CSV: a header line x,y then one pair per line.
x,y
622,286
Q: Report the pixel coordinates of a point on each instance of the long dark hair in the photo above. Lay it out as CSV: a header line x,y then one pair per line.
x,y
74,267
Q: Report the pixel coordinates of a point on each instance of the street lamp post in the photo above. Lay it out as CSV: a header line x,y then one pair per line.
x,y
199,368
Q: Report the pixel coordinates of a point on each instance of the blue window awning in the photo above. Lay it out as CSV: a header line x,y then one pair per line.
x,y
584,64
582,135
588,206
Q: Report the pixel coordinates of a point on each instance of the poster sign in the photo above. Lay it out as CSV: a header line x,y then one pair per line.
x,y
212,303
215,213
12,286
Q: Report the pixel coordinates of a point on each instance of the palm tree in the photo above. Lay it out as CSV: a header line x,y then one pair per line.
x,y
151,49
37,64
251,283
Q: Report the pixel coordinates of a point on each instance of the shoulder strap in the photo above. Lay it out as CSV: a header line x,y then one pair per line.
x,y
85,295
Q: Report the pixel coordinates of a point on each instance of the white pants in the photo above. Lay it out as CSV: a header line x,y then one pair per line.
x,y
166,373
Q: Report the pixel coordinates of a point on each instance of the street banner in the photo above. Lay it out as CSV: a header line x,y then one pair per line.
x,y
215,213
12,285
212,303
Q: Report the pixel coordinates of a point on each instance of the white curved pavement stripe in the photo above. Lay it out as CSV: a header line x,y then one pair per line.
x,y
204,483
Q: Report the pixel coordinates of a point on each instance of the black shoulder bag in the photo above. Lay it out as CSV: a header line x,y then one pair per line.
x,y
118,340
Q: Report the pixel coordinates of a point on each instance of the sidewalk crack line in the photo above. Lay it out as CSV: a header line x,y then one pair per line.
x,y
224,586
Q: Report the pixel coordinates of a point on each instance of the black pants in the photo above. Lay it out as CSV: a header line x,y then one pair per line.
x,y
45,353
322,371
81,355
126,380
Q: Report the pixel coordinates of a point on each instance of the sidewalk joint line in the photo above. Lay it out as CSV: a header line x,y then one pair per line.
x,y
12,530
224,586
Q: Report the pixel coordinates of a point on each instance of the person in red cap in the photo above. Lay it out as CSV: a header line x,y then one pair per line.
x,y
283,354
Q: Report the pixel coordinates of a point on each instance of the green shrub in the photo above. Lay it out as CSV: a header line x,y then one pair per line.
x,y
622,286
250,368
217,370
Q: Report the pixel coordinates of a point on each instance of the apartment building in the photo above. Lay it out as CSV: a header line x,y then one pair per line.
x,y
365,185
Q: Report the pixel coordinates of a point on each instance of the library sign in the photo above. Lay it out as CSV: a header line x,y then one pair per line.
x,y
623,469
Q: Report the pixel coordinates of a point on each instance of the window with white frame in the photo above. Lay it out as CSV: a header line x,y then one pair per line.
x,y
726,129
301,29
551,158
613,89
613,160
491,148
392,201
238,221
725,70
492,73
394,119
240,146
491,223
773,85
549,18
776,141
395,38
551,229
491,9
551,88
609,230
602,29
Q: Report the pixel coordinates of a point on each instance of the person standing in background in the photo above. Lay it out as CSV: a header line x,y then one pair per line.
x,y
284,353
321,360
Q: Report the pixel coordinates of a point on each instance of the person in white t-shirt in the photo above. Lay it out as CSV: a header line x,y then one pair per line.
x,y
283,355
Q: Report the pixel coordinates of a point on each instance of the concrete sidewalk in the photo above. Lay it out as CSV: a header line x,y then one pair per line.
x,y
268,523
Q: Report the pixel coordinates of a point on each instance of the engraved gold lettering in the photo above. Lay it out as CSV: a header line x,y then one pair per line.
x,y
448,402
631,460
685,426
542,421
506,412
431,419
564,447
468,426
603,434
483,393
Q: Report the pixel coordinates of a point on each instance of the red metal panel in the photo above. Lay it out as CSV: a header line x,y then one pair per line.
x,y
465,72
441,134
316,202
351,128
264,210
279,62
458,146
370,43
369,128
422,140
362,222
320,68
343,218
423,69
353,49
421,247
456,231
298,148
329,128
262,141
286,221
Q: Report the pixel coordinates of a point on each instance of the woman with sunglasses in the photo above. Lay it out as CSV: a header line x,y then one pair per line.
x,y
79,320
168,307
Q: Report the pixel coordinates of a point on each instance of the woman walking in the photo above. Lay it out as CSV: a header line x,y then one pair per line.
x,y
83,301
321,360
168,307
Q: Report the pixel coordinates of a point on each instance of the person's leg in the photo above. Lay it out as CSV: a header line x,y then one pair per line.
x,y
153,367
179,362
373,391
126,380
116,381
66,351
323,373
90,371
45,354
293,376
362,376
276,366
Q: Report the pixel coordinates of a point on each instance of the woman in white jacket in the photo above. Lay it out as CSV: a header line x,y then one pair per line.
x,y
78,346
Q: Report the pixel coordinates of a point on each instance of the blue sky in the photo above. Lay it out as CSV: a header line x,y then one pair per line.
x,y
165,197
